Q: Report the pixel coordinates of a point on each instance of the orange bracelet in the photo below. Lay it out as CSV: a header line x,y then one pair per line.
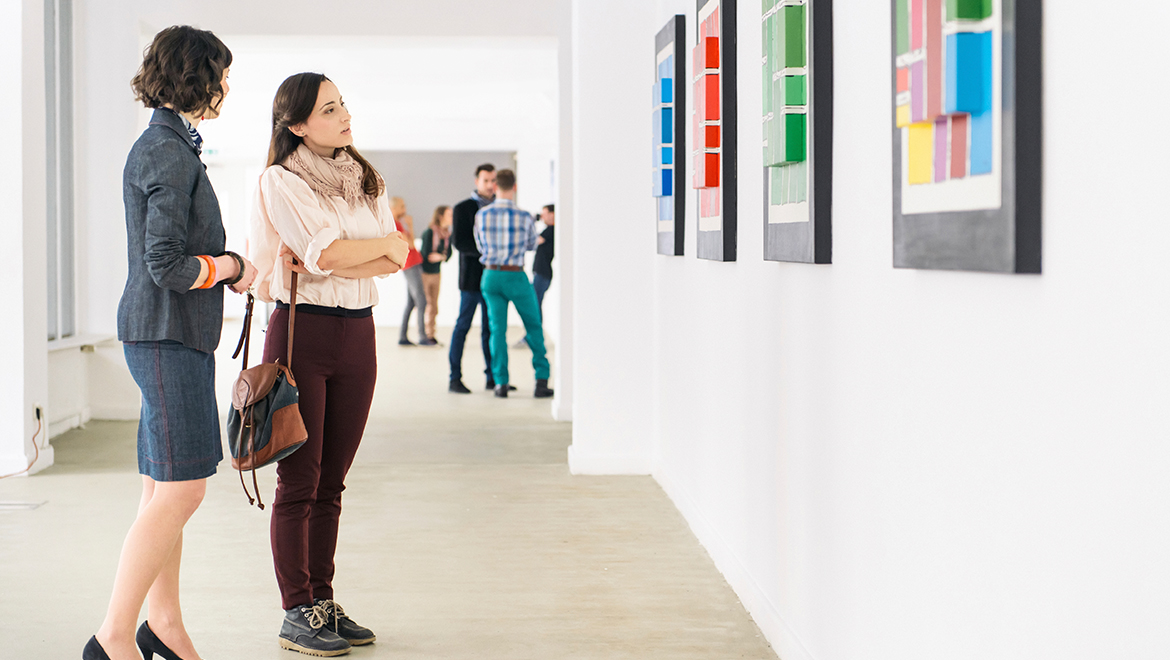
x,y
211,281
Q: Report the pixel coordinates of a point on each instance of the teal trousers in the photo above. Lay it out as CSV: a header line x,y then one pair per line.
x,y
500,287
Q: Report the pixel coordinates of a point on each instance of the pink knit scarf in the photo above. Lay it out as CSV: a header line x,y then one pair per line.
x,y
340,176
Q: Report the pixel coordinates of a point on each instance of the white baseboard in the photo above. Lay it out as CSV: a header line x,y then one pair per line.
x,y
15,463
69,423
562,410
583,462
117,413
763,611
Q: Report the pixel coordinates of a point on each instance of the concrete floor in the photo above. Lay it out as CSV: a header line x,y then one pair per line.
x,y
464,536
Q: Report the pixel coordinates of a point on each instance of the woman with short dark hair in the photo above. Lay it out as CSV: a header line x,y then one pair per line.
x,y
169,320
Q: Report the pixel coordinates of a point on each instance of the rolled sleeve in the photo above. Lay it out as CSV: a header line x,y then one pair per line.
x,y
317,244
168,211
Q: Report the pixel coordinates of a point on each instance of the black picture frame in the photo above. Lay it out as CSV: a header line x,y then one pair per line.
x,y
720,244
811,242
1007,239
671,241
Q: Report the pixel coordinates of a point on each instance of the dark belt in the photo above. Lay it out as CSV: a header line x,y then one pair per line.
x,y
511,269
303,308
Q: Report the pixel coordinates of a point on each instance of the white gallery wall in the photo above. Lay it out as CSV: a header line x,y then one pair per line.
x,y
894,464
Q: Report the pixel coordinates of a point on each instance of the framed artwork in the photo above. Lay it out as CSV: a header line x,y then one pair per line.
x,y
967,135
715,129
797,64
670,103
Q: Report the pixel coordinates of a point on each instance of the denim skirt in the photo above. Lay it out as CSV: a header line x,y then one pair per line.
x,y
178,432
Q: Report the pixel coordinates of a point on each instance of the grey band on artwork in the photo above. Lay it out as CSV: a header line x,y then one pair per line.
x,y
811,242
671,243
721,245
1007,239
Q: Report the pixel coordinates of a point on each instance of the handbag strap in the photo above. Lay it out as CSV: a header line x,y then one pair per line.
x,y
246,334
292,315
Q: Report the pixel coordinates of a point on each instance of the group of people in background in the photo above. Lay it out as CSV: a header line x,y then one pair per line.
x,y
321,212
492,235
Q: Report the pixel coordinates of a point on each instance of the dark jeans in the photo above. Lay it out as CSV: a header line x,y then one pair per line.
x,y
468,301
335,366
541,284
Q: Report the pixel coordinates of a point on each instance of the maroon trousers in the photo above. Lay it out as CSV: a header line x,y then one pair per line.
x,y
335,366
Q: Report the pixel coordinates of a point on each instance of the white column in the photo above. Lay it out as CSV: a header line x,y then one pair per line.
x,y
613,247
23,338
562,403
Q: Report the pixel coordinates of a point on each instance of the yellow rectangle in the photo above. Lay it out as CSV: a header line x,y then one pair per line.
x,y
903,116
921,152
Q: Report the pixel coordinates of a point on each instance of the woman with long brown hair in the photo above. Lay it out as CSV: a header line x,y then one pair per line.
x,y
322,211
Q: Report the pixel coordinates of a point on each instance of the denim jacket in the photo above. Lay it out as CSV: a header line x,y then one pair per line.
x,y
172,214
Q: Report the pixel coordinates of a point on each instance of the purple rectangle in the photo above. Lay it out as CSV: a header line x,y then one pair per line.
x,y
940,149
918,91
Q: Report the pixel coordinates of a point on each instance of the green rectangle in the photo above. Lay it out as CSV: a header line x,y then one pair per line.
x,y
766,6
794,50
776,28
969,10
800,173
794,90
902,25
794,138
767,143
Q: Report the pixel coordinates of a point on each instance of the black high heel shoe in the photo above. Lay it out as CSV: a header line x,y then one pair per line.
x,y
149,644
93,650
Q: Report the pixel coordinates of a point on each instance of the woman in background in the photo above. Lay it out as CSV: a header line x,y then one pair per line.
x,y
412,273
323,204
436,246
169,320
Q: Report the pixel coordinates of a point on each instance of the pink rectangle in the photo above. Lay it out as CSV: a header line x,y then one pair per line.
x,y
959,146
915,24
934,58
940,149
917,92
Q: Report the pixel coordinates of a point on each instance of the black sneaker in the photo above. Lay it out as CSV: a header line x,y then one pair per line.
x,y
338,622
458,387
405,342
501,391
542,390
304,630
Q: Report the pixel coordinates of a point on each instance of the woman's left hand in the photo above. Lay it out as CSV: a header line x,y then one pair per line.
x,y
287,256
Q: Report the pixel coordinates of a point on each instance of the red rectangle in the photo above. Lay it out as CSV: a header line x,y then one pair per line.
x,y
903,79
934,58
915,24
711,137
959,146
710,94
711,52
711,173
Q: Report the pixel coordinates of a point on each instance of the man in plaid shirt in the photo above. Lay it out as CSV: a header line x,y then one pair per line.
x,y
503,233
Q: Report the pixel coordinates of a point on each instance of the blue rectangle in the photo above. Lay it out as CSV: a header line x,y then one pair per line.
x,y
657,180
667,85
657,129
666,125
667,181
668,155
666,208
968,72
982,143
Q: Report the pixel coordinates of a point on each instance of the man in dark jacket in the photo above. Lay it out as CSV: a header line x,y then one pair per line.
x,y
470,272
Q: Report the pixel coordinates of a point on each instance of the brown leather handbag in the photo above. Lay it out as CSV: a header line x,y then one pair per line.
x,y
264,424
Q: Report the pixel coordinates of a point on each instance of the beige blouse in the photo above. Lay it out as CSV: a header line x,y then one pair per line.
x,y
287,211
